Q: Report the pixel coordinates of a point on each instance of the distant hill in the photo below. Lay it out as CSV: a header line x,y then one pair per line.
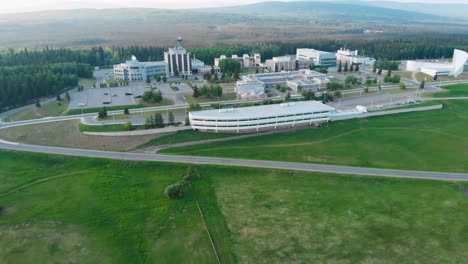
x,y
458,11
249,24
342,11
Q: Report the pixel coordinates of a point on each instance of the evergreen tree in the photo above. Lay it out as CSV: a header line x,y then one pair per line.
x,y
196,93
158,120
340,68
38,104
171,118
67,96
356,68
345,67
421,86
380,71
126,111
351,67
389,73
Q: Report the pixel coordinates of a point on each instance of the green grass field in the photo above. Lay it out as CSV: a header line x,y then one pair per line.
x,y
431,140
59,209
454,90
165,102
185,136
104,128
51,109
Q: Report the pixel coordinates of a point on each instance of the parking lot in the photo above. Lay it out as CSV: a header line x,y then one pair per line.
x,y
116,96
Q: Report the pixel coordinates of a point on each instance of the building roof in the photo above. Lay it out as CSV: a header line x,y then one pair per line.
x,y
263,110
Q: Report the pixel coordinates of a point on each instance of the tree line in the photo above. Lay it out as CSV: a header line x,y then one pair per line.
x,y
417,47
24,84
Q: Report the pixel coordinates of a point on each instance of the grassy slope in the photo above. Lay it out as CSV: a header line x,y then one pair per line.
x,y
184,136
455,90
96,211
433,140
50,109
67,134
66,209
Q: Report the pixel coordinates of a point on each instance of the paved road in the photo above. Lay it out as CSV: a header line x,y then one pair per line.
x,y
237,162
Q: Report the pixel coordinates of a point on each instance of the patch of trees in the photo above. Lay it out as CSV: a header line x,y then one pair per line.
x,y
229,66
178,189
392,79
333,86
211,91
154,121
149,96
24,84
353,80
386,64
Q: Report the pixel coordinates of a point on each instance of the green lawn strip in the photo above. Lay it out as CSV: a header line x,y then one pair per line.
x,y
165,102
409,106
103,128
53,108
454,90
431,140
185,136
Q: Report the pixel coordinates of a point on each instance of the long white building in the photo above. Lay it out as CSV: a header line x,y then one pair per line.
x,y
317,57
434,68
353,57
246,60
261,118
134,70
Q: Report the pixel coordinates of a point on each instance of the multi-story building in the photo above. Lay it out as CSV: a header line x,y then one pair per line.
x,y
352,57
317,57
179,59
297,80
437,68
134,70
261,118
284,63
245,61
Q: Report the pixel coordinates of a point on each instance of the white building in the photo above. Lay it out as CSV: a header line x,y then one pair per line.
x,y
250,90
296,80
435,68
245,61
352,57
317,57
178,59
260,118
284,63
134,70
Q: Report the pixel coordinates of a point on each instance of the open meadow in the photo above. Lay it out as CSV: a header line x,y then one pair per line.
x,y
78,210
432,140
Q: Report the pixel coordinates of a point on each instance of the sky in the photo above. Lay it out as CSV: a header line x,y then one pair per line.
x,y
19,6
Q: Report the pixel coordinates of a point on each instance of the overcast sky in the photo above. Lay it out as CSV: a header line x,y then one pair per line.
x,y
15,6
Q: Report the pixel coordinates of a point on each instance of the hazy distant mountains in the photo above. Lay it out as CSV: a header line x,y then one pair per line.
x,y
346,10
268,21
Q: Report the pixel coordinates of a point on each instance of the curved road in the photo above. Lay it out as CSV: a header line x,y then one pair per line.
x,y
237,162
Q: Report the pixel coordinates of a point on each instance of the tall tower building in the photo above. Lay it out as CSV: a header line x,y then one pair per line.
x,y
178,59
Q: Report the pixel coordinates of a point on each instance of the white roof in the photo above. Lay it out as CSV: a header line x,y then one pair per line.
x,y
263,110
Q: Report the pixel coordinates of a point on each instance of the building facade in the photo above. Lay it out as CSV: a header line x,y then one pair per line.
x,y
297,80
284,63
178,59
352,57
245,61
436,68
134,70
261,118
317,57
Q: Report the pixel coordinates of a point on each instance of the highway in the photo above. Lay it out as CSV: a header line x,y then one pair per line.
x,y
237,162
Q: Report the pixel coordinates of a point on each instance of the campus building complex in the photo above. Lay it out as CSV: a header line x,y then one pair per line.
x,y
245,61
317,57
435,68
353,57
261,118
177,61
134,70
296,80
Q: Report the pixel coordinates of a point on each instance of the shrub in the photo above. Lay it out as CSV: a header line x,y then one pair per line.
x,y
174,191
128,126
191,175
